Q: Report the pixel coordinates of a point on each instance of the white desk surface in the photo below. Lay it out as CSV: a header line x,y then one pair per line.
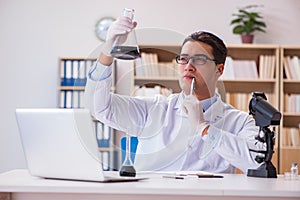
x,y
20,185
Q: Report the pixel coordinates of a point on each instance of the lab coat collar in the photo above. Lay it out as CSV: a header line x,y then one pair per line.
x,y
181,96
216,111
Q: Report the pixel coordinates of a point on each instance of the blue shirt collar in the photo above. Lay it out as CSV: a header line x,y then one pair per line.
x,y
206,103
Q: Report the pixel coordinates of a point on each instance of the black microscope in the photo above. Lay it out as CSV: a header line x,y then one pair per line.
x,y
265,115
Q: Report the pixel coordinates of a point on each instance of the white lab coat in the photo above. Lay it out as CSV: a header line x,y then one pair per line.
x,y
166,141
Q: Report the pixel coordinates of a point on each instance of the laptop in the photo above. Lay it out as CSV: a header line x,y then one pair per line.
x,y
61,144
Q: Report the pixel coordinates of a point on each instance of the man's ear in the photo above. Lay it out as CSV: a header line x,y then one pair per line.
x,y
220,69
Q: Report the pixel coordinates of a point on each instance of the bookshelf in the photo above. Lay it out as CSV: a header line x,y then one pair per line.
x,y
227,87
290,103
167,53
232,90
72,80
238,90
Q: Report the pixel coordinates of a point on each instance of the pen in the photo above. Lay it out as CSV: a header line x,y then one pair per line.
x,y
174,177
192,86
209,176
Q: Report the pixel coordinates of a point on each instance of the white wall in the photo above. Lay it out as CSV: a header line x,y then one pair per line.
x,y
34,33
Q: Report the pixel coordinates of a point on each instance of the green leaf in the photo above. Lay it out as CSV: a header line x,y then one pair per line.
x,y
238,30
234,21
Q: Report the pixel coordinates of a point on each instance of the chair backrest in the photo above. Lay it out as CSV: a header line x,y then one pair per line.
x,y
133,146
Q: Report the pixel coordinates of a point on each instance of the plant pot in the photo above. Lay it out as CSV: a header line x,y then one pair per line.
x,y
247,38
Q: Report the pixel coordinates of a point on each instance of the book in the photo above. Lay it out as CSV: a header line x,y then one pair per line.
x,y
105,158
292,68
287,68
272,66
69,99
148,65
151,91
68,73
296,67
103,134
81,71
261,66
228,72
75,99
62,99
139,68
291,102
75,72
294,136
246,69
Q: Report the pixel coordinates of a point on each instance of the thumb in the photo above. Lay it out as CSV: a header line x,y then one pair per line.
x,y
134,24
186,105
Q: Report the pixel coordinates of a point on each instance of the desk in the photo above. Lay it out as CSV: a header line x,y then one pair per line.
x,y
18,184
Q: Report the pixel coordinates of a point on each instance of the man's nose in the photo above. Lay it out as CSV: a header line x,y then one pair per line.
x,y
189,66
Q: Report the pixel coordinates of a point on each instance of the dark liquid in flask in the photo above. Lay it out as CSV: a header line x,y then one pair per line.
x,y
127,170
125,52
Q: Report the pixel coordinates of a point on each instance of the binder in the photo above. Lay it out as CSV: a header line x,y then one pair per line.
x,y
103,133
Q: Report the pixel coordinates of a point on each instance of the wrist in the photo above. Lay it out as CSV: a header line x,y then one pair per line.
x,y
203,128
104,59
205,131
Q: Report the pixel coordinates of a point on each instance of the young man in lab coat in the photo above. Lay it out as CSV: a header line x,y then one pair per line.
x,y
193,130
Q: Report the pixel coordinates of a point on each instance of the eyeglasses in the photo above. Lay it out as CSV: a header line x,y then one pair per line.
x,y
198,59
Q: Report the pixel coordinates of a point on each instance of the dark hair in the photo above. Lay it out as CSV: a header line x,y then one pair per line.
x,y
219,49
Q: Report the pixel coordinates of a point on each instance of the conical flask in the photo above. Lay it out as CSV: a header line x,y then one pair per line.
x,y
125,46
127,168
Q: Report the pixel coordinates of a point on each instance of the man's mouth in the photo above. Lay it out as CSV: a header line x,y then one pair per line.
x,y
188,77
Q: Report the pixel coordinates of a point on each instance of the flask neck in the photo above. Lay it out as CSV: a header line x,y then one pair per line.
x,y
128,12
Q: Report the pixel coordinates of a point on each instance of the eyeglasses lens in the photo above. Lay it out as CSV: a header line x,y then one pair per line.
x,y
196,60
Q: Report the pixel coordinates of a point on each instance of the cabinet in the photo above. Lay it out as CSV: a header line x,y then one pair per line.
x,y
289,106
232,90
72,79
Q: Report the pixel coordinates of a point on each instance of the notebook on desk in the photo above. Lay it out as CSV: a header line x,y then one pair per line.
x,y
61,144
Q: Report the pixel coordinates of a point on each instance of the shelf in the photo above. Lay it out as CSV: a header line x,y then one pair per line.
x,y
247,86
232,86
71,88
72,79
78,58
288,154
168,82
290,147
291,119
165,53
290,50
79,88
291,86
157,78
251,51
252,46
105,149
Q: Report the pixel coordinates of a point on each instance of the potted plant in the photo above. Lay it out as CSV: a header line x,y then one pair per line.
x,y
246,22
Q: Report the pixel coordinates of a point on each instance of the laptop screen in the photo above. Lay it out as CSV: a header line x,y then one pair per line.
x,y
60,143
